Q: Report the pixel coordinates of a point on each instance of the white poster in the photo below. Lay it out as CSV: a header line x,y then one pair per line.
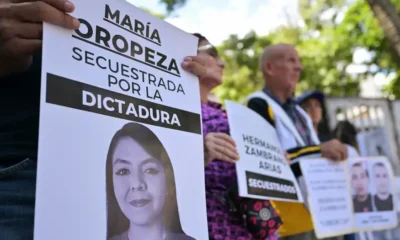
x,y
117,111
373,193
329,200
262,171
356,195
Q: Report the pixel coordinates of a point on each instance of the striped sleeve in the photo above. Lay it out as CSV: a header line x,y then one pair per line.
x,y
261,107
295,154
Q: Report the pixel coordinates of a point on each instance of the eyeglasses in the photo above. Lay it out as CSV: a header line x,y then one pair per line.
x,y
210,49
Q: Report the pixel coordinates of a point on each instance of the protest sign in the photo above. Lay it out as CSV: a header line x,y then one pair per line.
x,y
262,171
116,108
351,196
329,199
373,191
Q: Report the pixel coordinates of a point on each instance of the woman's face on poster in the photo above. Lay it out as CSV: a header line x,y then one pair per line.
x,y
139,182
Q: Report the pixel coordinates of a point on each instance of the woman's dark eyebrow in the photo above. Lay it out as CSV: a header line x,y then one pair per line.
x,y
150,160
118,160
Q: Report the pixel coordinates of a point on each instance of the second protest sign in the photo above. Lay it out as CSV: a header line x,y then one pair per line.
x,y
263,172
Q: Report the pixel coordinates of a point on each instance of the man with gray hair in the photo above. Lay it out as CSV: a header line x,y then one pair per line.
x,y
281,68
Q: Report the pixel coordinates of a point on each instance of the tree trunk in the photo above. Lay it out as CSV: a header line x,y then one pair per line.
x,y
389,19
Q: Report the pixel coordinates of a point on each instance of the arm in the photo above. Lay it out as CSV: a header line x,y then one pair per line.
x,y
21,29
295,154
333,150
10,66
3,72
217,145
205,129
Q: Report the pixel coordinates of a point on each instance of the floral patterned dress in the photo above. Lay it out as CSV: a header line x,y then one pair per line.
x,y
220,176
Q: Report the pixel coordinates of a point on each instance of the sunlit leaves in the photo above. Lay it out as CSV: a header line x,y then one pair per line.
x,y
159,15
172,5
326,47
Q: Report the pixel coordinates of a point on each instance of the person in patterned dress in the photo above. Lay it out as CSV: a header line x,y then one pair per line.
x,y
220,155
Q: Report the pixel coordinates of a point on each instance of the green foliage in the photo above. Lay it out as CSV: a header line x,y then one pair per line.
x,y
326,47
368,34
159,15
172,5
241,75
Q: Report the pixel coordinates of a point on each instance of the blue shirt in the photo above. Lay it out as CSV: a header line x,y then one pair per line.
x,y
298,119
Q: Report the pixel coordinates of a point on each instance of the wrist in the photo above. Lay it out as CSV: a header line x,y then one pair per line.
x,y
10,65
4,69
206,160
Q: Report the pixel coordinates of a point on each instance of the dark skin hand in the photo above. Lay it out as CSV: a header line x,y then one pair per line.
x,y
21,27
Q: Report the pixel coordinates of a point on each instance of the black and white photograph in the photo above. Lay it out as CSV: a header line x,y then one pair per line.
x,y
141,190
352,196
360,185
383,198
372,187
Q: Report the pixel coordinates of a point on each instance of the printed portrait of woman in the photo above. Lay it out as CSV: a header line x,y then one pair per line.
x,y
141,193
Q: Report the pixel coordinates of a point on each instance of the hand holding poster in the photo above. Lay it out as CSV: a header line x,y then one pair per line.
x,y
116,109
262,171
351,196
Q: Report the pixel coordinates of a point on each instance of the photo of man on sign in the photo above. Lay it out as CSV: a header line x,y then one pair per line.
x,y
362,201
383,198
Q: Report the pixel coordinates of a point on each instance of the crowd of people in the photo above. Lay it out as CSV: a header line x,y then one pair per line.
x,y
296,123
296,128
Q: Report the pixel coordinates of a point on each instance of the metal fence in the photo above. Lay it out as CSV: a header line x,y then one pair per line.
x,y
378,123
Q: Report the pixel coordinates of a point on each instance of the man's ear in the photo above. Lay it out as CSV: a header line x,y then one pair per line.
x,y
268,68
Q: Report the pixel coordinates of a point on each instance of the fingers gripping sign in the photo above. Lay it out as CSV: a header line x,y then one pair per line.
x,y
52,11
201,66
220,146
287,157
21,26
334,150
